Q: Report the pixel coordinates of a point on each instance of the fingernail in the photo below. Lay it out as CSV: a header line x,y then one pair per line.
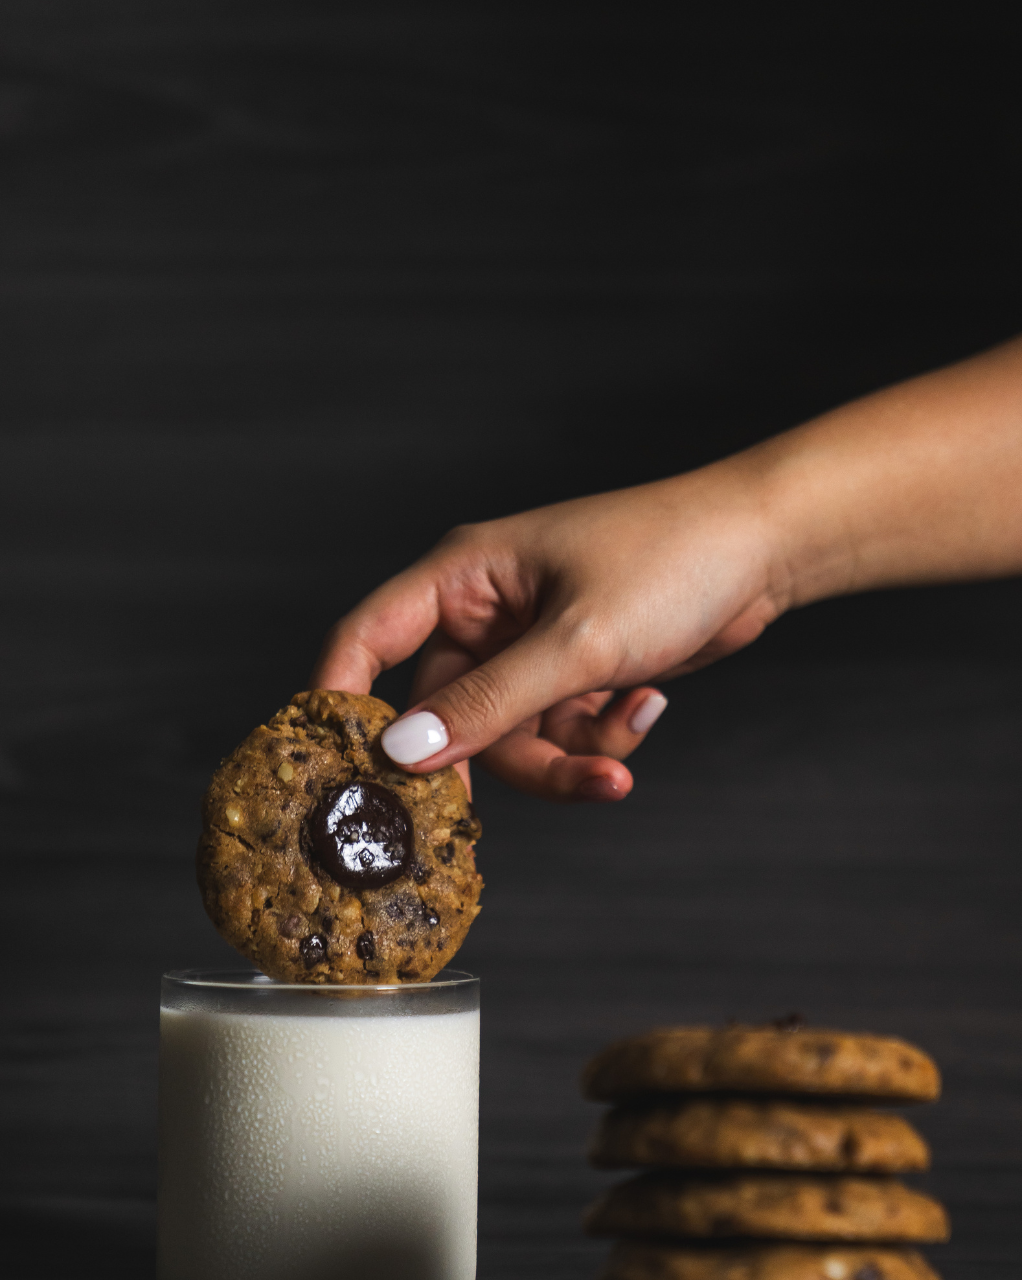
x,y
598,788
647,713
414,738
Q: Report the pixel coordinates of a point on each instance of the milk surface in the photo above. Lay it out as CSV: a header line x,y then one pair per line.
x,y
318,1148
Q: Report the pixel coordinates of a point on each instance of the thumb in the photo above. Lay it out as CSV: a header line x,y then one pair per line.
x,y
472,712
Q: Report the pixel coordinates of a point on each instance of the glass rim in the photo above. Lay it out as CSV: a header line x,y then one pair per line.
x,y
253,980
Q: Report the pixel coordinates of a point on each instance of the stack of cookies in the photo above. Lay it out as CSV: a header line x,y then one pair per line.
x,y
765,1160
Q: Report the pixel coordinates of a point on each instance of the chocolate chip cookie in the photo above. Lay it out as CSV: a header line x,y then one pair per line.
x,y
322,861
741,1133
770,1206
761,1060
634,1261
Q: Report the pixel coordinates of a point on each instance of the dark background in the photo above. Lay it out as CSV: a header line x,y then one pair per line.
x,y
288,289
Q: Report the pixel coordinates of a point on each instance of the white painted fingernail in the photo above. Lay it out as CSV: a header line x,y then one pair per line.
x,y
645,715
415,738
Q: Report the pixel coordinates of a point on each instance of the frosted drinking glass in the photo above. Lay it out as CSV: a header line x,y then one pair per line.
x,y
318,1132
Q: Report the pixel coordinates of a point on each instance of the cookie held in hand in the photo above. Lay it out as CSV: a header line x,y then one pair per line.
x,y
321,861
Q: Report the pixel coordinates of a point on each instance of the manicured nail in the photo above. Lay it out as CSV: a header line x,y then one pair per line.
x,y
414,738
647,713
598,788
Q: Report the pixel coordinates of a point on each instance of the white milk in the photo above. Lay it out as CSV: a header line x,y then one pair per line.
x,y
318,1148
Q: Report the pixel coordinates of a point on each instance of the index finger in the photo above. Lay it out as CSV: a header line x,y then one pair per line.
x,y
384,629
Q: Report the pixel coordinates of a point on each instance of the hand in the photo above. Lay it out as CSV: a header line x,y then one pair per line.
x,y
533,622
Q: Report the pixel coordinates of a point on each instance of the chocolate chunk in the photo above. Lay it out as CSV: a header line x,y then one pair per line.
x,y
401,907
312,950
290,927
361,835
300,756
430,916
365,946
418,870
446,855
791,1022
470,826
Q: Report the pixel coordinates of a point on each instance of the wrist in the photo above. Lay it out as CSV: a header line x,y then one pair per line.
x,y
731,516
813,498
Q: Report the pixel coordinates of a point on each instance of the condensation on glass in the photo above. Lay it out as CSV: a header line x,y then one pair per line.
x,y
318,1131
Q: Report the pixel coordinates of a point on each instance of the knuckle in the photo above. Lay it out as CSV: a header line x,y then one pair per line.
x,y
475,701
593,646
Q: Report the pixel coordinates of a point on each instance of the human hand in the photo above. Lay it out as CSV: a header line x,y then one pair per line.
x,y
533,622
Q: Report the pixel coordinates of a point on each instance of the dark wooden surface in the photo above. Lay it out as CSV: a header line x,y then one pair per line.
x,y
840,840
285,291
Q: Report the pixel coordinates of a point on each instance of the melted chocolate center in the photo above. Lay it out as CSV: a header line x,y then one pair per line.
x,y
361,834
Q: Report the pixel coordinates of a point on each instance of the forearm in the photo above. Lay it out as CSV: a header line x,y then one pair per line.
x,y
919,483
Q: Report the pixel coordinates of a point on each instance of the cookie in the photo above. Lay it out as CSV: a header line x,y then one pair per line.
x,y
322,861
771,1206
634,1261
761,1060
741,1133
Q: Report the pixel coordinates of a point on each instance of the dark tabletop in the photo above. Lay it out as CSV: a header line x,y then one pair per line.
x,y
286,291
838,839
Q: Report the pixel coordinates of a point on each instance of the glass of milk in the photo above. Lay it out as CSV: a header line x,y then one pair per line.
x,y
318,1132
